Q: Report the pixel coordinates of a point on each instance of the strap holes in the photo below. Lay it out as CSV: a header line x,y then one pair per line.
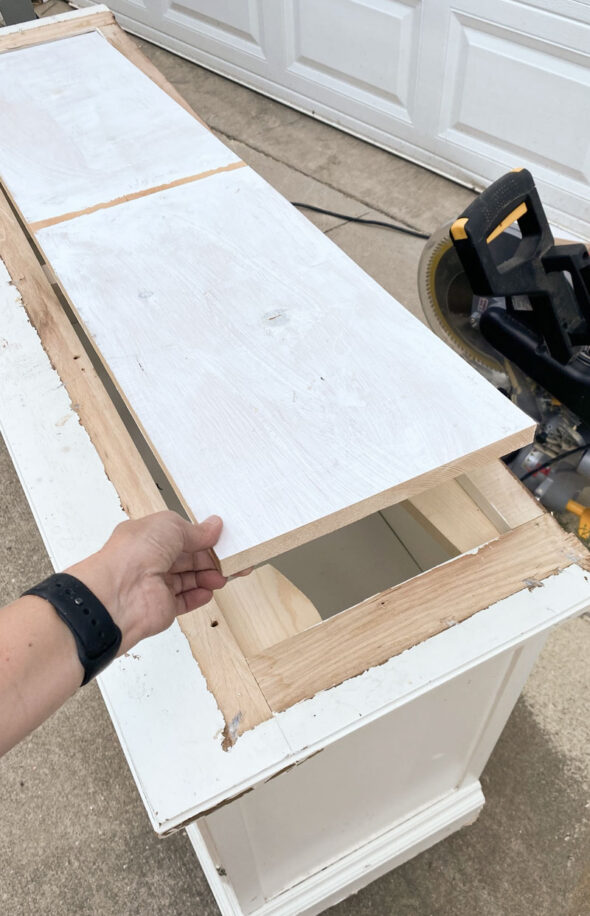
x,y
93,622
86,611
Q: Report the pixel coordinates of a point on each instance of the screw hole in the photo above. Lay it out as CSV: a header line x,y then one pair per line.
x,y
214,623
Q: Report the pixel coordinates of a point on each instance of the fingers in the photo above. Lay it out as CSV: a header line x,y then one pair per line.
x,y
196,597
201,536
189,580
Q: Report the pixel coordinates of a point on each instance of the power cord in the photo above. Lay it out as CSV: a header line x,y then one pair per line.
x,y
360,219
572,451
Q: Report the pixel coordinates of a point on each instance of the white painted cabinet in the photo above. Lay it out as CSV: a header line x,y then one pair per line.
x,y
469,88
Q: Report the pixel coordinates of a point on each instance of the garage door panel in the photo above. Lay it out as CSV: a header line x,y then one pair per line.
x,y
519,95
219,26
363,52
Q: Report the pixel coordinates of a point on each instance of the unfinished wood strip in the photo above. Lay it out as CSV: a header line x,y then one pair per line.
x,y
106,135
452,517
128,47
53,28
500,495
123,463
381,627
54,220
265,608
222,663
137,490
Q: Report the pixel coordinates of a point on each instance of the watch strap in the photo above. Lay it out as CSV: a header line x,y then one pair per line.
x,y
97,635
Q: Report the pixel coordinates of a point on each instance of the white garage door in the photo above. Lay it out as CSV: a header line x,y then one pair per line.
x,y
469,89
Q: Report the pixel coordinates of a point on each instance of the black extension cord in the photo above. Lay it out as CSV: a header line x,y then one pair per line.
x,y
360,219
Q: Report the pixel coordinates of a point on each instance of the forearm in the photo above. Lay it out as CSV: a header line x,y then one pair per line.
x,y
39,667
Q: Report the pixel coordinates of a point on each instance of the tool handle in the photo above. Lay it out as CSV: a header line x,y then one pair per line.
x,y
513,197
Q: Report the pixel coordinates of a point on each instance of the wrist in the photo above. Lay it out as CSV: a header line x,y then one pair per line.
x,y
98,576
96,635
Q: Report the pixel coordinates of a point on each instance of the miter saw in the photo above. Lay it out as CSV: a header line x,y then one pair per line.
x,y
496,287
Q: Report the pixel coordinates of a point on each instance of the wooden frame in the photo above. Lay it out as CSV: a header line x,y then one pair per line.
x,y
257,670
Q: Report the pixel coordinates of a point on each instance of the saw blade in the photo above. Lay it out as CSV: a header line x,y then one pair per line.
x,y
448,303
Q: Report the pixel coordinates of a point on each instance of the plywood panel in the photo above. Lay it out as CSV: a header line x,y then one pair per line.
x,y
281,387
82,126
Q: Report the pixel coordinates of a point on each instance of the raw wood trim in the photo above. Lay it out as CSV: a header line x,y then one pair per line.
x,y
236,692
265,608
128,47
501,496
225,669
137,490
53,28
387,624
452,517
136,195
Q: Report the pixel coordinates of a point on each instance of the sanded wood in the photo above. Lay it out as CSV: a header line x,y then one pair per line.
x,y
124,466
500,495
265,608
452,517
410,613
53,28
108,132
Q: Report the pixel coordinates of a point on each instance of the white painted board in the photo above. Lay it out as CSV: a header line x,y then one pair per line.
x,y
282,388
81,126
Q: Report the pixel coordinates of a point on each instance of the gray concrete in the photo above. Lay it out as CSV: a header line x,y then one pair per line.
x,y
75,837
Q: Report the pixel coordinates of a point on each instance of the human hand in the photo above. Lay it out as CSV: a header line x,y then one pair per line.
x,y
151,570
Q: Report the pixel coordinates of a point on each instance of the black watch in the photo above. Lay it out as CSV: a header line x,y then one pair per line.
x,y
97,635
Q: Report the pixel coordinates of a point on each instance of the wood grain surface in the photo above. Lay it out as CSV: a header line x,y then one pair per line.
x,y
81,126
389,623
280,386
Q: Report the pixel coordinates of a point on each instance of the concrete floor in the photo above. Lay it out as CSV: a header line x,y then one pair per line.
x,y
75,837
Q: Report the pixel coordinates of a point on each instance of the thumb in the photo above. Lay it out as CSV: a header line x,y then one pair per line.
x,y
201,536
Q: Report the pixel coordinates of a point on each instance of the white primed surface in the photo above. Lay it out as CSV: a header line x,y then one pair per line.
x,y
470,89
281,387
63,151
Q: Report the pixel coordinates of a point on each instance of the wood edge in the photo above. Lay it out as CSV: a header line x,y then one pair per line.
x,y
286,658
52,28
122,462
267,550
226,671
260,606
129,48
430,527
472,484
